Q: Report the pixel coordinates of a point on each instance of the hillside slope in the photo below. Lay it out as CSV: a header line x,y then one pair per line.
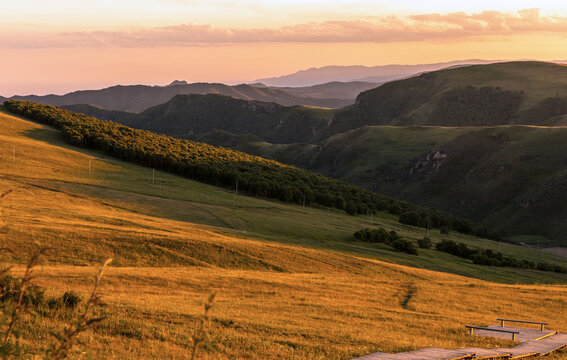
x,y
191,116
530,93
290,281
509,178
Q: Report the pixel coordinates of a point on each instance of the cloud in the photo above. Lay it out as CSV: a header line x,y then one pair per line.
x,y
424,27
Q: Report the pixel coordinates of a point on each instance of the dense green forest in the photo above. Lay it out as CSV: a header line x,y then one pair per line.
x,y
489,257
485,106
223,167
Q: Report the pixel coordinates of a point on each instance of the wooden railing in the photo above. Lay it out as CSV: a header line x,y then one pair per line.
x,y
541,324
513,332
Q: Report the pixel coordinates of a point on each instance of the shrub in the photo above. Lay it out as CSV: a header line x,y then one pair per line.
x,y
405,246
444,230
70,299
389,238
424,243
10,291
351,208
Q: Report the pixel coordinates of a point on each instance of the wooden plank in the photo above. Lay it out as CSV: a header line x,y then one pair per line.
x,y
535,345
373,356
488,353
438,354
552,343
422,354
533,348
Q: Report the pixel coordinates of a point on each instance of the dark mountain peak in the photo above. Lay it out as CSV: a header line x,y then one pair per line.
x,y
178,83
259,85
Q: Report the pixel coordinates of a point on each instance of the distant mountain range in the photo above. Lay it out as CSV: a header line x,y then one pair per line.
x,y
527,93
137,98
330,87
463,160
374,74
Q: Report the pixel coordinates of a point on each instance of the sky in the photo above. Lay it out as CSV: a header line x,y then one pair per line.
x,y
59,46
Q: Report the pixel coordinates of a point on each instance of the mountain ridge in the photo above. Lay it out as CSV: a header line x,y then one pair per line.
x,y
137,98
380,73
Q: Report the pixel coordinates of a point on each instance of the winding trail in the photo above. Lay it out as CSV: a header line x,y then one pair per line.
x,y
533,343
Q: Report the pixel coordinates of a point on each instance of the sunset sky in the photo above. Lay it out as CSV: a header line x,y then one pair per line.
x,y
61,46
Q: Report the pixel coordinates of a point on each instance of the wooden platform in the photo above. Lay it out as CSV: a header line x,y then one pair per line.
x,y
428,353
523,336
538,347
533,343
489,354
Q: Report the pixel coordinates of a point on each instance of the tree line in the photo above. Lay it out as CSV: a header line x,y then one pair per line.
x,y
489,257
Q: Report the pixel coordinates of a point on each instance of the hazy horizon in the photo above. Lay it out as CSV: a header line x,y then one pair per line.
x,y
65,46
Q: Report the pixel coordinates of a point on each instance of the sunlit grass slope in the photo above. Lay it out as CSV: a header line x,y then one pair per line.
x,y
46,166
291,282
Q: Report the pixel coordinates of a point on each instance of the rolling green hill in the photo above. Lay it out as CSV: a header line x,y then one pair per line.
x,y
494,94
509,178
228,168
192,116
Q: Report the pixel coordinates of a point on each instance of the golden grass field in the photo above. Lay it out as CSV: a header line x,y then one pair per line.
x,y
283,290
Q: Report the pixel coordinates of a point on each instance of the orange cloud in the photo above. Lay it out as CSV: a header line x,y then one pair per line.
x,y
424,27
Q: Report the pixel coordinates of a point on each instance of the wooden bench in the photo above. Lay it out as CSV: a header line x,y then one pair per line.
x,y
541,324
471,328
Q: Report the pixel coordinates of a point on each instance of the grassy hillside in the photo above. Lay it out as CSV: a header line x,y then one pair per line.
x,y
192,116
494,94
509,178
188,116
291,282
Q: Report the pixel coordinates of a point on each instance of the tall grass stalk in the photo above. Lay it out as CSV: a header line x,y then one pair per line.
x,y
24,284
83,322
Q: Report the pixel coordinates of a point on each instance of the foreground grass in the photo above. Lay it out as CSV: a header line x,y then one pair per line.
x,y
265,314
290,282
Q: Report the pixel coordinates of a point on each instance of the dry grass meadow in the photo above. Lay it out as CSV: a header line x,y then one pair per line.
x,y
287,285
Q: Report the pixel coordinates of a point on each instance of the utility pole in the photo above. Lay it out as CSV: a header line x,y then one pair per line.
x,y
14,155
236,188
153,176
89,166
